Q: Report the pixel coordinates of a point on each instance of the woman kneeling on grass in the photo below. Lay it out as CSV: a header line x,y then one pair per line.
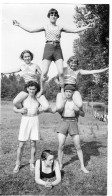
x,y
47,167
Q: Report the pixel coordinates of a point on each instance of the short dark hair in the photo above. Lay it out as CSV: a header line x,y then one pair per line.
x,y
72,58
52,10
69,87
33,83
45,154
26,51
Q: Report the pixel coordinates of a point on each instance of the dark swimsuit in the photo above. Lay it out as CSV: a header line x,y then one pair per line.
x,y
45,175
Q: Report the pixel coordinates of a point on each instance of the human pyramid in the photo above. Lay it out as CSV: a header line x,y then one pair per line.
x,y
31,102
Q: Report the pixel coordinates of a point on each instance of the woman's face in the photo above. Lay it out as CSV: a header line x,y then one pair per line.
x,y
32,90
69,94
27,58
73,64
53,17
49,160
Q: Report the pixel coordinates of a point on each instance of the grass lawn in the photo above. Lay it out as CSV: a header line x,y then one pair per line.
x,y
74,182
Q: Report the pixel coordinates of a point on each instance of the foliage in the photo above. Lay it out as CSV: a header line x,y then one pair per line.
x,y
92,49
74,181
51,89
12,85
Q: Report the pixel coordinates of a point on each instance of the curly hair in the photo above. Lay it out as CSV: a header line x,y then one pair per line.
x,y
26,51
33,83
71,59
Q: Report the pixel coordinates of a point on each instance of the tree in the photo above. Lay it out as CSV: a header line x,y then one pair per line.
x,y
51,89
10,86
92,48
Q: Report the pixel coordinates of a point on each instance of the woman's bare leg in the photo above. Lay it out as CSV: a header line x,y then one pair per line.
x,y
77,99
43,102
59,65
45,69
19,99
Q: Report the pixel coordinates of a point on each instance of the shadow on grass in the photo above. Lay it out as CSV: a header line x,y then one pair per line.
x,y
24,165
62,173
89,149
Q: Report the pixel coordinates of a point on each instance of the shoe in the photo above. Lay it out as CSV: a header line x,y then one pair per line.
x,y
16,169
32,167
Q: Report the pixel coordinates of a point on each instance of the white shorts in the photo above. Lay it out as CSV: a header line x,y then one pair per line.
x,y
29,128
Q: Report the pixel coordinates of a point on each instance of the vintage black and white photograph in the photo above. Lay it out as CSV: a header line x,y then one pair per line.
x,y
54,99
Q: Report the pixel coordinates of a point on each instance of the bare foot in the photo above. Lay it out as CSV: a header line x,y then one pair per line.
x,y
84,170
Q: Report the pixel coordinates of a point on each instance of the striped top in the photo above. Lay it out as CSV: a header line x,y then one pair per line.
x,y
70,76
52,34
29,73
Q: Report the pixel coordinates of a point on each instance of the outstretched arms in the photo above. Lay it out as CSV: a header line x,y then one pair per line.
x,y
28,29
76,30
87,72
12,71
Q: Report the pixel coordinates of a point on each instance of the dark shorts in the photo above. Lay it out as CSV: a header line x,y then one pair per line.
x,y
52,52
68,127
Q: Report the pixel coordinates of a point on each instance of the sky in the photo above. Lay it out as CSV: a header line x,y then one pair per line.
x,y
15,40
33,13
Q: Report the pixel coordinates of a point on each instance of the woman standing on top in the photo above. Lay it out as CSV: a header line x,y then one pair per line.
x,y
52,50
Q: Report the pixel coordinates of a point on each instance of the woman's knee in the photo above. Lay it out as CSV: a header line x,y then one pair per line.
x,y
21,145
60,101
60,74
78,147
61,147
43,102
20,97
33,144
44,76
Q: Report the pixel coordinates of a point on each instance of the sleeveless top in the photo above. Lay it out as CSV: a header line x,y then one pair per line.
x,y
29,74
32,106
45,175
70,77
52,34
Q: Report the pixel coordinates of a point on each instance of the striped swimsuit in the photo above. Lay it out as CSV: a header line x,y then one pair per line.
x,y
69,76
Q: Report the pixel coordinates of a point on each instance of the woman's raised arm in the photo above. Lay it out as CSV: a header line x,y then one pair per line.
x,y
12,70
76,30
87,72
28,29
